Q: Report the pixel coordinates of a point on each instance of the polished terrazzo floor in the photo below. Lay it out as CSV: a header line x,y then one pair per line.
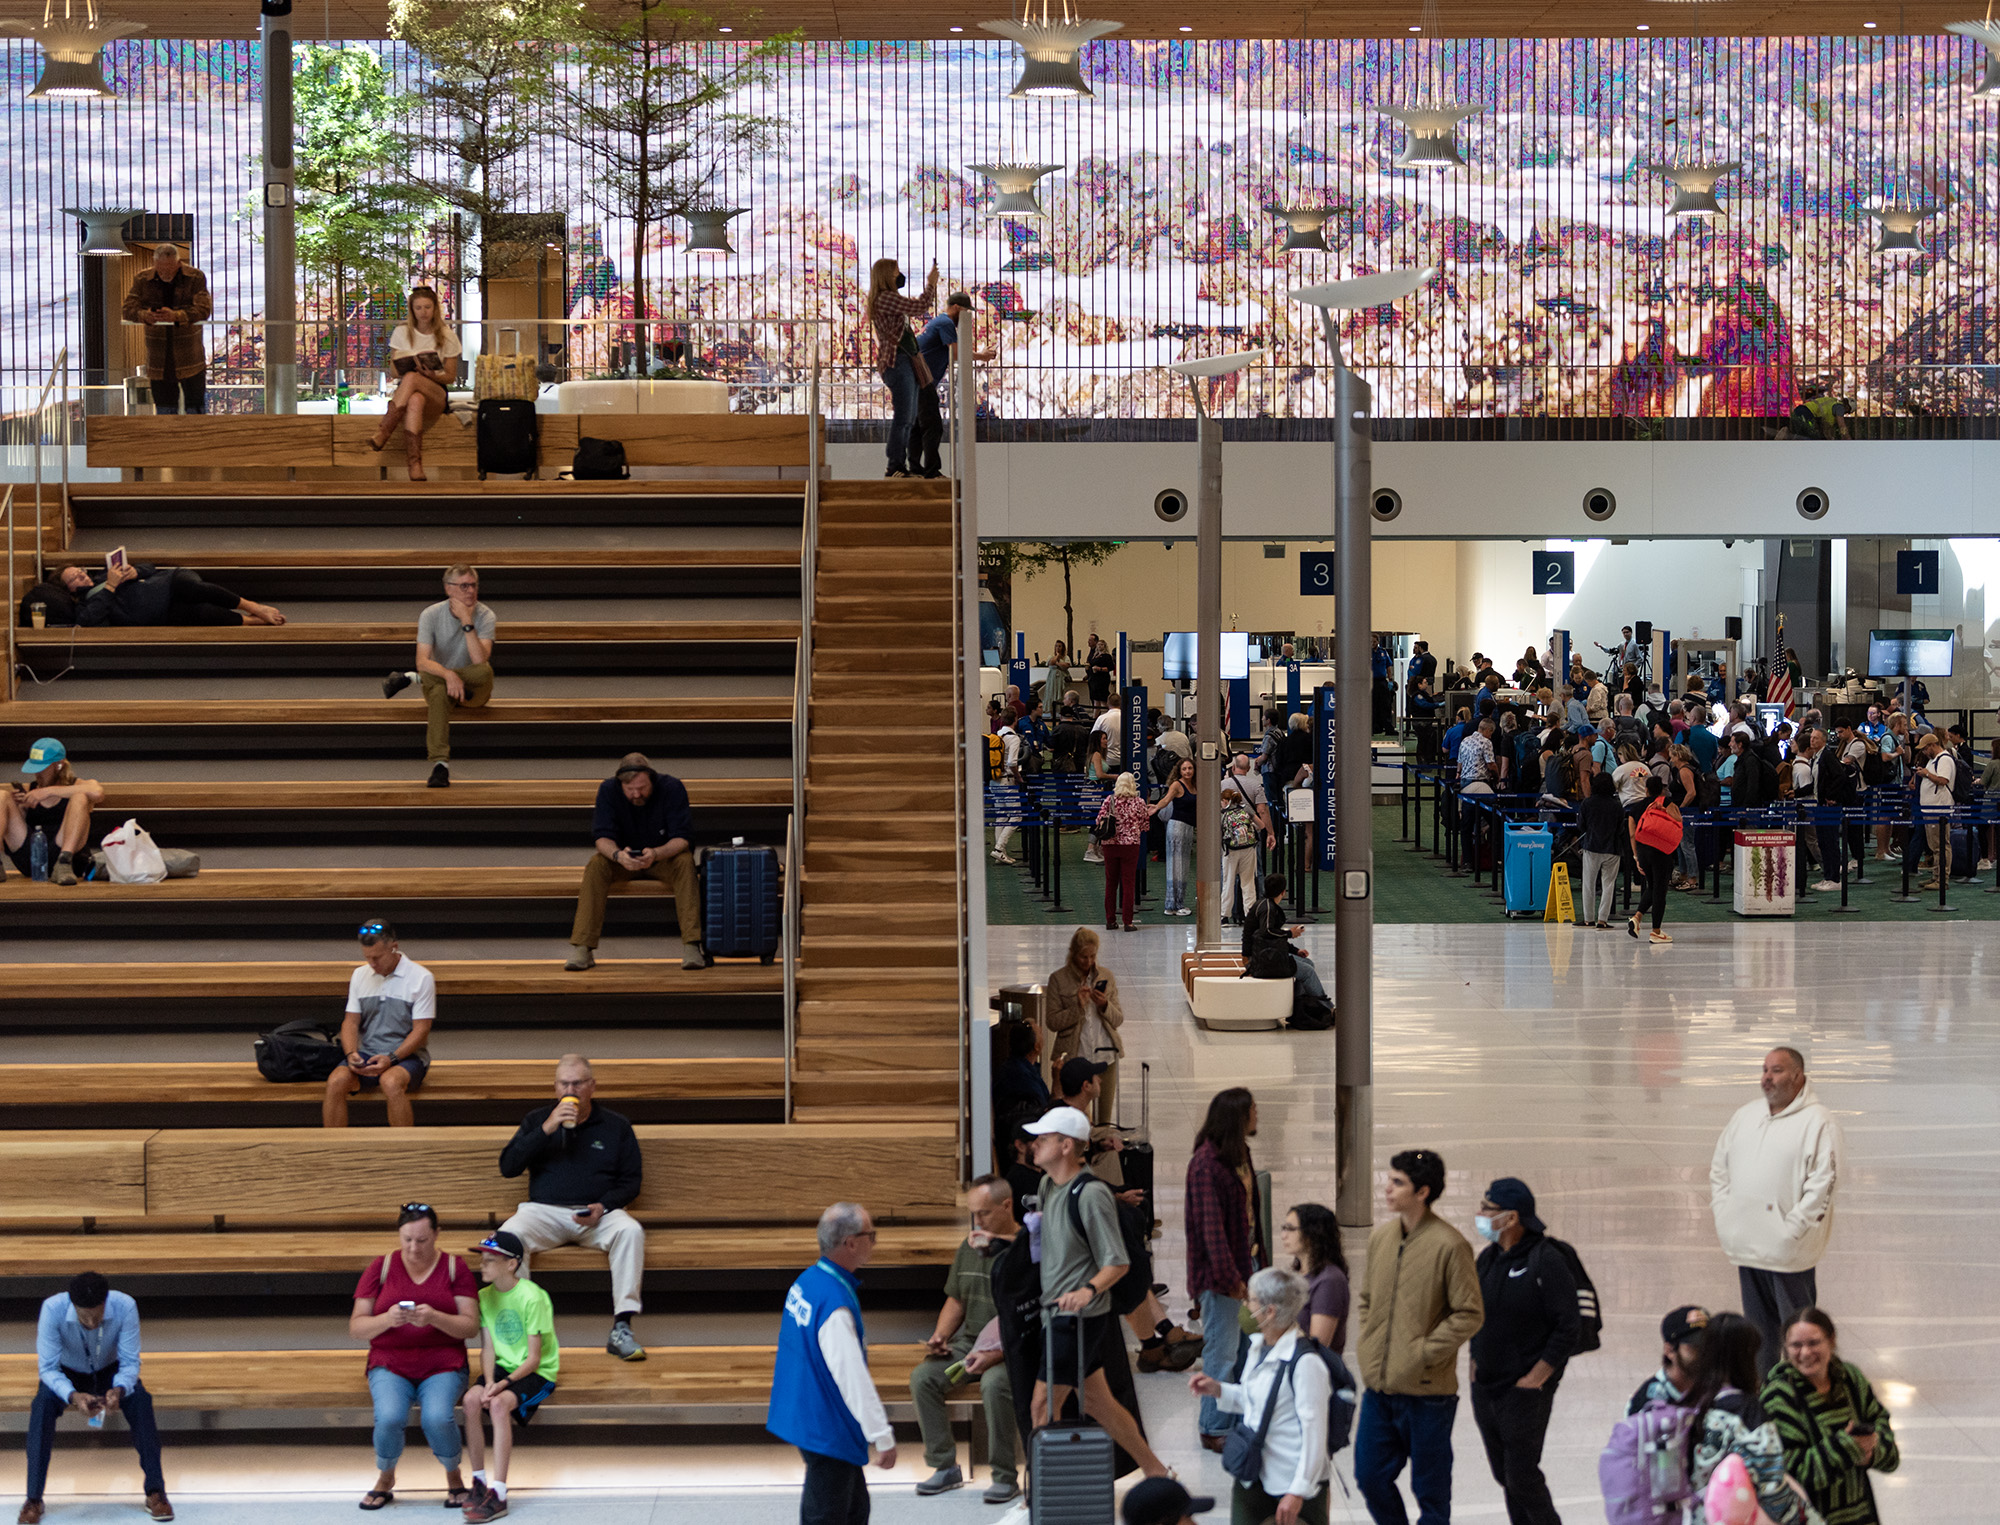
x,y
1598,1069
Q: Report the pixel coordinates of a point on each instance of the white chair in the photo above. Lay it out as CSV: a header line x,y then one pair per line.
x,y
1235,1004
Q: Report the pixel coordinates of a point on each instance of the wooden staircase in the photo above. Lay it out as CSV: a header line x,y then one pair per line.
x,y
878,985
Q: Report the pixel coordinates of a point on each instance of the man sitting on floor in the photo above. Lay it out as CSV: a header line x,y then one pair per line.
x,y
139,593
644,828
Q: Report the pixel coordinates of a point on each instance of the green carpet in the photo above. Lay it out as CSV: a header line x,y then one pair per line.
x,y
1413,887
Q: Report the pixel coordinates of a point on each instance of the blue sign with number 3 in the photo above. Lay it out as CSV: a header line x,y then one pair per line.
x,y
1315,574
1555,571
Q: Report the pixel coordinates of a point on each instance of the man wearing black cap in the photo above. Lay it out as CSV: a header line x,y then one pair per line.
x,y
1518,1355
1680,1334
1163,1501
1081,1083
937,346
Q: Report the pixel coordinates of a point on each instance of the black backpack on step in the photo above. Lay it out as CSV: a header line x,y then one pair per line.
x,y
302,1050
509,441
599,460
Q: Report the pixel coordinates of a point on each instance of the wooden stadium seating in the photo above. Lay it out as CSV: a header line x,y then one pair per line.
x,y
326,980
516,631
396,794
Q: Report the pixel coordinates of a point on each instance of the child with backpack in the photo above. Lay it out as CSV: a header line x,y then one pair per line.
x,y
518,1362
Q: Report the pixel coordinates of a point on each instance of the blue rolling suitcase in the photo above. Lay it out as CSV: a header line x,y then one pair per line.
x,y
1525,872
740,902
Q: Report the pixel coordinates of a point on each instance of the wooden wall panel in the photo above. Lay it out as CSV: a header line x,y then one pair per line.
x,y
217,440
704,439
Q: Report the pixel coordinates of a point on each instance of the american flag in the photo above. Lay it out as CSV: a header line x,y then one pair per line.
x,y
1781,686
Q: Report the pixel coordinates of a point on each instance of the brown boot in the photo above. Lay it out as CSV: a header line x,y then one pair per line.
x,y
413,450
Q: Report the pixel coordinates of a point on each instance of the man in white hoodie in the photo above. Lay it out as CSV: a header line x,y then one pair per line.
x,y
1771,1189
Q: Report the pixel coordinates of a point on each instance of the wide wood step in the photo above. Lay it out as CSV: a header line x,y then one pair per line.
x,y
889,984
900,1054
874,889
883,687
853,741
270,884
880,635
899,920
53,714
899,825
841,1021
839,799
294,980
879,857
870,532
395,794
733,631
885,1110
921,662
868,951
221,555
911,1094
931,561
871,771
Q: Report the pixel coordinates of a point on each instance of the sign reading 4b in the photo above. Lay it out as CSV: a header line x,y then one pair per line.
x,y
1555,571
1315,574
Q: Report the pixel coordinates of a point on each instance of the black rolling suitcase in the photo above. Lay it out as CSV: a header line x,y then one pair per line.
x,y
739,916
509,437
1135,1156
1072,1464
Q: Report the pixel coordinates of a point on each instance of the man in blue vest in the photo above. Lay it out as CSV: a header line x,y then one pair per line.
x,y
822,1398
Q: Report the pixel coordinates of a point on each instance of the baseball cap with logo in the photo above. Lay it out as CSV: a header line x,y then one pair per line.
x,y
45,753
500,1242
1685,1325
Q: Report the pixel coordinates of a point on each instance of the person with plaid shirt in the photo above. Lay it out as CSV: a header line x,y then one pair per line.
x,y
1224,1245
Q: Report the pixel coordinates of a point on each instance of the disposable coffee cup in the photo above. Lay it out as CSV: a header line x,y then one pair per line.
x,y
570,1121
38,615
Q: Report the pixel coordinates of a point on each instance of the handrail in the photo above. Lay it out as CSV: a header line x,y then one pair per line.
x,y
60,368
7,508
791,951
802,660
965,592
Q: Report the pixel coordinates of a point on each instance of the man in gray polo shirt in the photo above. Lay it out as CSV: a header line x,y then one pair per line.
x,y
454,661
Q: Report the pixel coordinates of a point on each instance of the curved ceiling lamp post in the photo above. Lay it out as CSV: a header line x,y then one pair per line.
x,y
708,229
1694,189
1987,35
1353,752
1208,736
1050,49
1305,226
1015,185
72,51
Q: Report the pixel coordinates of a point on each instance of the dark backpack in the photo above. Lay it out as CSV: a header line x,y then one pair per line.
x,y
509,439
1591,1336
1961,777
1708,789
599,460
1163,765
1136,1229
1874,766
1310,1013
301,1050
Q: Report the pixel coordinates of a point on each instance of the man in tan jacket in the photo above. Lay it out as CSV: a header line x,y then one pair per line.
x,y
1418,1302
171,300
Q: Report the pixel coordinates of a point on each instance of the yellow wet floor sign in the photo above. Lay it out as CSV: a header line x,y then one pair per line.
x,y
1560,906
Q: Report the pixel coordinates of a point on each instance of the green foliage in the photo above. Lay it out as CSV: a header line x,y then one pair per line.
x,y
356,227
1004,560
649,100
488,67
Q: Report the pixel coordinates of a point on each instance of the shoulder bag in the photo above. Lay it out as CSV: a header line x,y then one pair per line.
x,y
1659,828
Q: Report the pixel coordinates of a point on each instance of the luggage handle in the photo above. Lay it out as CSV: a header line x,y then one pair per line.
x,y
1049,1359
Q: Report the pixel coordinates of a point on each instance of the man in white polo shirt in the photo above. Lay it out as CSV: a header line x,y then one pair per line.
x,y
391,1003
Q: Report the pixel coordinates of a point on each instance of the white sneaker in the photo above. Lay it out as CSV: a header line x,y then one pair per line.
x,y
1827,885
1985,864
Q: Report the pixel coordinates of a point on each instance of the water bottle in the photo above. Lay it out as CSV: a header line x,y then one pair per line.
x,y
343,401
38,857
96,1419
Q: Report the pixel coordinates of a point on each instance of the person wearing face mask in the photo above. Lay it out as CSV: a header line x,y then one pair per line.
x,y
1531,1329
1680,1335
1834,1429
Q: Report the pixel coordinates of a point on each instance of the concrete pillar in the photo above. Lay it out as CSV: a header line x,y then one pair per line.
x,y
1208,691
281,284
1354,854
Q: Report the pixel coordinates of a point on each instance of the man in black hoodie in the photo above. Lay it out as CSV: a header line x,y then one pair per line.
x,y
1531,1329
583,1166
643,828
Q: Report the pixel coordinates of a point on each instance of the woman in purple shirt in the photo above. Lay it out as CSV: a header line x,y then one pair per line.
x,y
1309,1239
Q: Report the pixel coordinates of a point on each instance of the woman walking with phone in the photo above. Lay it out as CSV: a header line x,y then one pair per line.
x,y
1081,1012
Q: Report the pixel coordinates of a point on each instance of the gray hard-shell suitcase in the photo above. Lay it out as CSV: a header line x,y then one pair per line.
x,y
1072,1464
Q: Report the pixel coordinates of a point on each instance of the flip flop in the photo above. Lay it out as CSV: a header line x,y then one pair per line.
x,y
458,1498
383,1499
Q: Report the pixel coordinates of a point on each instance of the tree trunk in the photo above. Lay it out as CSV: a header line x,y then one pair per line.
x,y
1069,614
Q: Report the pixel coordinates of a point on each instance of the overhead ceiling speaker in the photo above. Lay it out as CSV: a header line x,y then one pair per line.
x,y
104,227
1694,189
708,229
1432,143
1987,35
1899,229
1305,226
1016,186
72,52
1050,51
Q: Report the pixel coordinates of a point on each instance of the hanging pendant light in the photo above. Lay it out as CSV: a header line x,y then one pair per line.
x,y
72,52
1016,186
1050,49
1305,226
708,229
1694,190
1899,229
104,227
1432,143
1987,35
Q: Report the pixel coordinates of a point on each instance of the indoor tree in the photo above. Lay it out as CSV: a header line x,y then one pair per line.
x,y
355,222
1003,560
647,97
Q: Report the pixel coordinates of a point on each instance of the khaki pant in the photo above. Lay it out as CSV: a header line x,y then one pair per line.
x,y
618,1234
996,1395
478,681
1939,837
600,873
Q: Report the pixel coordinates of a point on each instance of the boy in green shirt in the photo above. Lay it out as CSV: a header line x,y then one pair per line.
x,y
518,1361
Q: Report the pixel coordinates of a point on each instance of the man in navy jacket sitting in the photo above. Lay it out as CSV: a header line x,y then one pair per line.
x,y
644,829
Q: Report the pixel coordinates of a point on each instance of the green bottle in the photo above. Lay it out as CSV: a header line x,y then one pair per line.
x,y
343,402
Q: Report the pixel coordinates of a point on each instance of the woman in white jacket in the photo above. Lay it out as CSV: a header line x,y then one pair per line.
x,y
1771,1188
1292,1486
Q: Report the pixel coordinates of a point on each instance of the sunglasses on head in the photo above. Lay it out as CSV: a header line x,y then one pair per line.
x,y
415,1207
371,929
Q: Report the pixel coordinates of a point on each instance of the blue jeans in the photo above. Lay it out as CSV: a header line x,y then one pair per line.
x,y
1180,871
1308,976
1220,1337
1395,1428
136,1406
901,380
437,1398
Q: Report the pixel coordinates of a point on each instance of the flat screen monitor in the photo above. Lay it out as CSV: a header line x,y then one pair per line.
x,y
1177,655
1910,653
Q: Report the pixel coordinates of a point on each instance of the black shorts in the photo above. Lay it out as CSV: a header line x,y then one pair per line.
x,y
1061,1333
416,1066
529,1393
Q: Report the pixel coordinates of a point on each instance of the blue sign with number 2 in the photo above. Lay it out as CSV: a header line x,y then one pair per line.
x,y
1555,571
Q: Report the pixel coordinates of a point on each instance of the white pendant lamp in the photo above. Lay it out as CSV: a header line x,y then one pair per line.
x,y
104,227
1987,35
1694,189
1305,226
708,229
72,51
1016,186
1050,46
1899,226
1432,143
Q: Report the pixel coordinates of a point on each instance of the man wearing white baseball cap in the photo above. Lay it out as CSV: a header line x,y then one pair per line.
x,y
1083,1258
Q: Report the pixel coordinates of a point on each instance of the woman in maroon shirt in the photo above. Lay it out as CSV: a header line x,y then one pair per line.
x,y
896,361
428,1308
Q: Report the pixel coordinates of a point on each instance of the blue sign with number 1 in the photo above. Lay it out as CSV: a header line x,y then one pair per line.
x,y
1315,574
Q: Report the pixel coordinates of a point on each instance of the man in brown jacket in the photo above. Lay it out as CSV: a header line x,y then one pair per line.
x,y
1418,1302
172,300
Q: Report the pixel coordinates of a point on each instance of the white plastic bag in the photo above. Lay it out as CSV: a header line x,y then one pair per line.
x,y
130,856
